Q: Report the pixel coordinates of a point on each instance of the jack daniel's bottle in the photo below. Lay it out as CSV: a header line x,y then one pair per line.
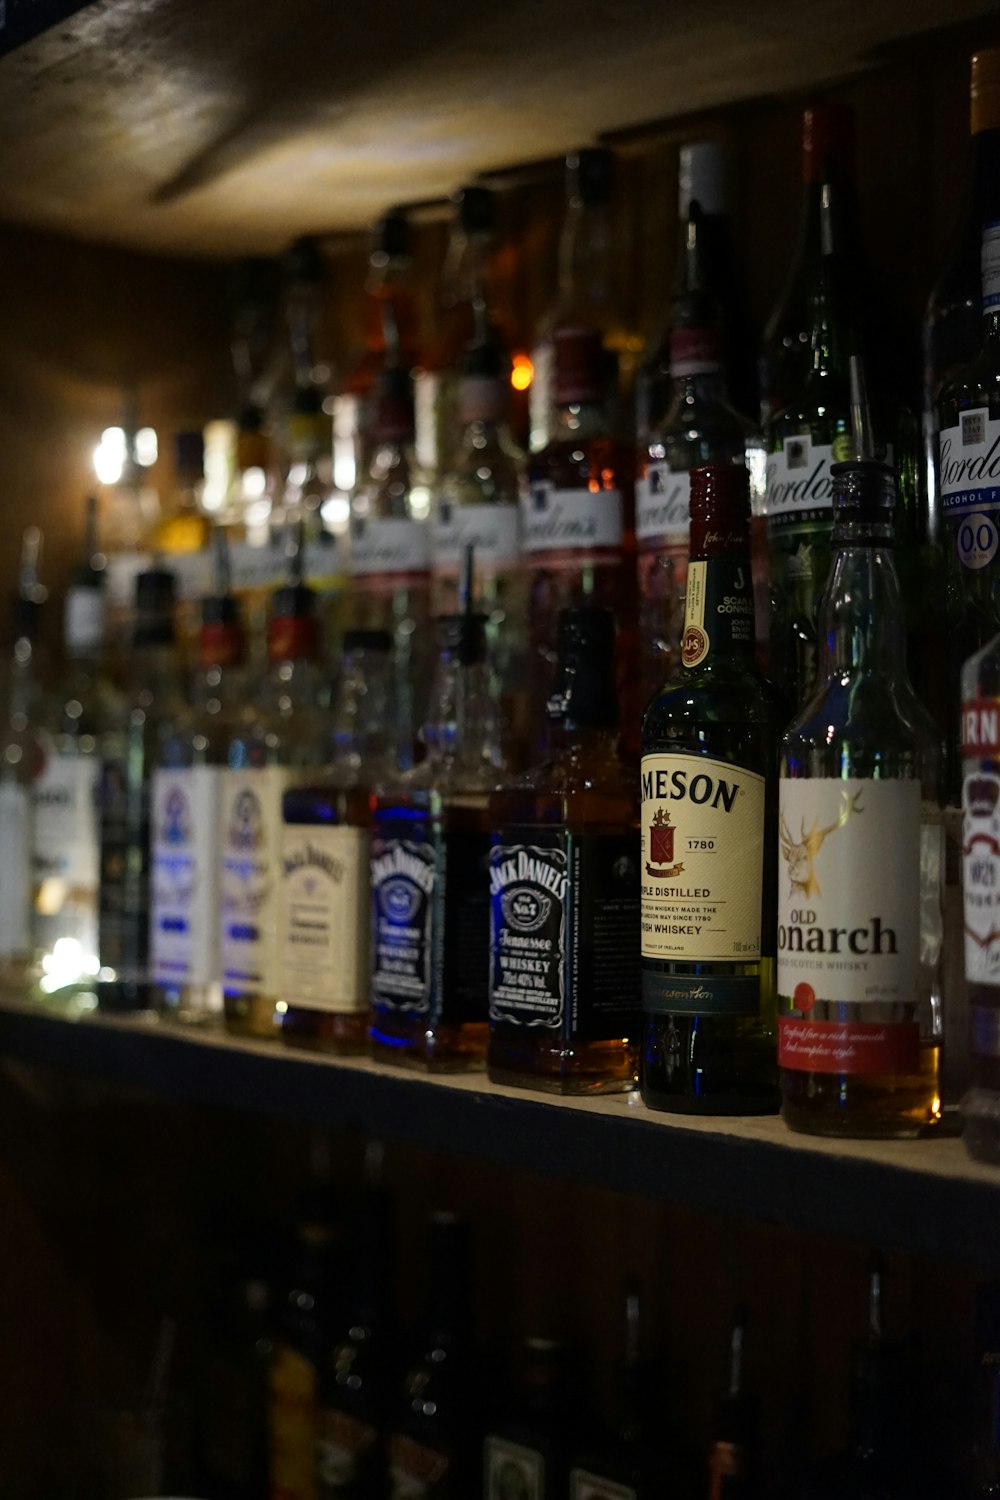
x,y
564,887
709,792
859,884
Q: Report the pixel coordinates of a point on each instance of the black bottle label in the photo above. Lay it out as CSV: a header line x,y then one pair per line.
x,y
461,992
404,877
564,933
718,609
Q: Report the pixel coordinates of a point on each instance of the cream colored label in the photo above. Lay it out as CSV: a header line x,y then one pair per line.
x,y
702,858
695,641
849,882
251,856
325,917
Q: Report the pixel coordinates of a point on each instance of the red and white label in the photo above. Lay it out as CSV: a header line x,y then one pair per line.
x,y
884,1047
981,726
566,525
389,549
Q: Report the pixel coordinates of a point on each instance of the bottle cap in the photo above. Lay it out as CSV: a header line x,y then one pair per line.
x,y
303,260
220,640
703,171
155,594
367,640
695,351
720,510
391,236
590,175
827,141
579,366
985,92
476,210
292,630
189,454
585,693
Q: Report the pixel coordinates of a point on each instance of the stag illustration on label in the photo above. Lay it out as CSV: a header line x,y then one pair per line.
x,y
848,918
981,877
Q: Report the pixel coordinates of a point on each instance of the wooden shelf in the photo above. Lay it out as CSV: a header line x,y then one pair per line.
x,y
925,1196
228,128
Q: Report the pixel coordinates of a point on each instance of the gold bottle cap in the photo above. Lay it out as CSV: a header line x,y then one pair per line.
x,y
986,90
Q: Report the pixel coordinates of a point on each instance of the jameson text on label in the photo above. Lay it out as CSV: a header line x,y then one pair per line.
x,y
567,522
848,915
702,858
324,960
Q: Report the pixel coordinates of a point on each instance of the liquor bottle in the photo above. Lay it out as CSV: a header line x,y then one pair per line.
x,y
286,737
699,427
968,464
431,839
479,506
828,159
985,1454
808,435
358,1377
183,525
578,521
324,942
859,945
435,1440
953,323
631,1462
564,889
527,1451
704,181
709,835
66,844
467,318
732,1457
185,822
154,700
236,1346
390,551
877,1462
300,1347
22,753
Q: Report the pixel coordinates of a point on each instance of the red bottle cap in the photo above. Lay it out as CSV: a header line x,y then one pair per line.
x,y
579,366
827,141
220,644
291,638
694,351
720,510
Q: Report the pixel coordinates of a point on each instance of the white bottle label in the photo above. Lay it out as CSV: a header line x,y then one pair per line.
x,y
250,889
83,620
511,1469
849,891
702,858
662,507
184,884
65,832
493,530
325,915
799,487
991,266
584,1486
969,472
981,876
389,548
566,525
15,868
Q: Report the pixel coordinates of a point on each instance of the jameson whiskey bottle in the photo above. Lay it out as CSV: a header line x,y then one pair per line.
x,y
284,737
185,822
709,839
324,935
564,889
527,1451
66,847
154,702
435,1438
859,884
699,427
390,551
430,851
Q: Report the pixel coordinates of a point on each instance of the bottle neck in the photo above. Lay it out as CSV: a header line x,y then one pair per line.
x,y
862,626
581,420
584,742
718,606
363,713
704,387
985,177
462,725
585,259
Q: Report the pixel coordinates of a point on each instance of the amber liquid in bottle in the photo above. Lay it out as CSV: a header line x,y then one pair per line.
x,y
564,889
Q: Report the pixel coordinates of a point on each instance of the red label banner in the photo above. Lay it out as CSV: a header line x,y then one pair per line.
x,y
848,1046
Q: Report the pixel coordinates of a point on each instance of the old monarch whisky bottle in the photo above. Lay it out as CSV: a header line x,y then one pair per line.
x,y
709,846
564,889
859,884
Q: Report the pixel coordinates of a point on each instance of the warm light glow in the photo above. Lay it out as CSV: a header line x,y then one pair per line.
x,y
336,512
522,372
67,964
420,502
254,484
220,444
146,447
109,455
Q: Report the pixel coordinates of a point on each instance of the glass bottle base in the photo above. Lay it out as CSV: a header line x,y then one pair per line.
x,y
338,1033
251,1016
607,1067
766,1102
864,1107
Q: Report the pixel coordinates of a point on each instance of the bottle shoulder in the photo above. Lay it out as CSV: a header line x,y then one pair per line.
x,y
726,694
866,719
